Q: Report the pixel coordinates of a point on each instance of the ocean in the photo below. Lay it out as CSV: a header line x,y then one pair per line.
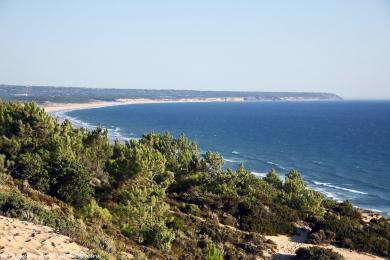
x,y
342,149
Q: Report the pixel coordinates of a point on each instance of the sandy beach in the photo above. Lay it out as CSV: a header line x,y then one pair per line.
x,y
53,107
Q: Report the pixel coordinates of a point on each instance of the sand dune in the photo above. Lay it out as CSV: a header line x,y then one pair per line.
x,y
25,240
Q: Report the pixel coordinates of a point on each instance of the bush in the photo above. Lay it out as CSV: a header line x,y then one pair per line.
x,y
72,184
96,214
2,164
273,179
322,237
316,253
176,224
212,252
228,220
14,205
159,236
352,233
346,209
191,209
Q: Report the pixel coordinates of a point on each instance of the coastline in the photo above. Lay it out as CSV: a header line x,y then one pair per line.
x,y
56,107
58,110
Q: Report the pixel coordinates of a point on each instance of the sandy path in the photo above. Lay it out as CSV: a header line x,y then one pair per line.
x,y
286,247
25,240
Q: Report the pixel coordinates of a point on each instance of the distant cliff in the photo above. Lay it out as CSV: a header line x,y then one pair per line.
x,y
76,95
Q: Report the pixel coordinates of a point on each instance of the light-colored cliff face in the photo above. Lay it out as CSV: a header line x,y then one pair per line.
x,y
25,240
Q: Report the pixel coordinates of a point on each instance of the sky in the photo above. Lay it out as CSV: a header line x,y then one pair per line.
x,y
339,46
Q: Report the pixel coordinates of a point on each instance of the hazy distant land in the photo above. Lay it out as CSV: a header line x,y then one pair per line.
x,y
49,94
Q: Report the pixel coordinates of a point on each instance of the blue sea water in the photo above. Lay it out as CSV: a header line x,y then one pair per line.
x,y
341,148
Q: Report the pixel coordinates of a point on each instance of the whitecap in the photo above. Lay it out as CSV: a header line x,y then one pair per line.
x,y
329,185
113,132
328,194
375,210
235,152
231,160
260,174
318,162
276,165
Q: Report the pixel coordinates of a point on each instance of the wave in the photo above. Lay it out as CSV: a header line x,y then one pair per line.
x,y
113,132
329,185
232,160
375,210
235,152
317,162
276,165
330,195
260,174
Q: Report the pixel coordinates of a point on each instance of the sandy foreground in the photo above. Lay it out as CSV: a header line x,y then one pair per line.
x,y
286,247
25,240
53,107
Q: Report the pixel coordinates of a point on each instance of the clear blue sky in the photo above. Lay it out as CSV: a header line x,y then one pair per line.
x,y
340,46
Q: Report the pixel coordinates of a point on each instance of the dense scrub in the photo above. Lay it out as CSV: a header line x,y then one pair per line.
x,y
158,197
343,225
316,253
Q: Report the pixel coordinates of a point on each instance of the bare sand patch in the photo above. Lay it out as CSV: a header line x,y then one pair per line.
x,y
25,240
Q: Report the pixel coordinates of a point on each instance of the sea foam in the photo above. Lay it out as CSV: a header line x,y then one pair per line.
x,y
276,165
259,174
232,160
113,132
329,185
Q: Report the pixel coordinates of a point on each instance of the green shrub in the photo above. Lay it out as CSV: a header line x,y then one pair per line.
x,y
229,220
96,214
176,224
72,184
316,253
33,169
14,205
3,168
191,209
296,195
212,252
346,209
159,236
273,179
352,233
322,237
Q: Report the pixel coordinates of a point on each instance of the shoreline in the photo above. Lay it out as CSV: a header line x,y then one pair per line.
x,y
56,107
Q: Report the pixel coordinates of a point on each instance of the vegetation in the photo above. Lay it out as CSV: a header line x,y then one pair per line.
x,y
343,225
212,252
316,253
158,197
43,94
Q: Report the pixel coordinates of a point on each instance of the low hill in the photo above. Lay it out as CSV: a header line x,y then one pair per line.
x,y
43,94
